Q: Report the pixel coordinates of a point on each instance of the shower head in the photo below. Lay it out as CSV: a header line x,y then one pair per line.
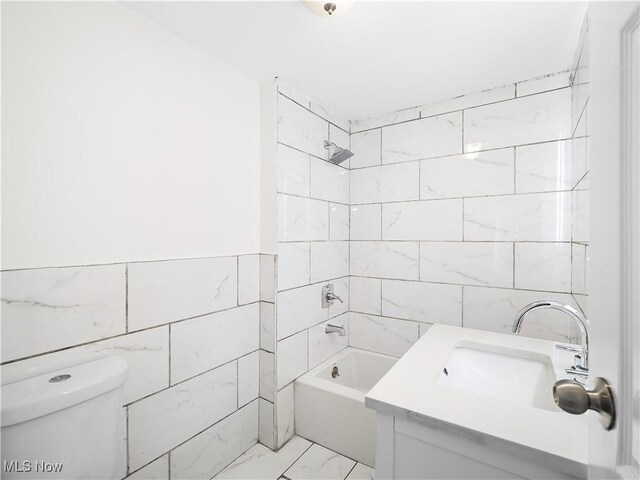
x,y
339,154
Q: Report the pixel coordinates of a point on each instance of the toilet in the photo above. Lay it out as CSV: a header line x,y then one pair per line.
x,y
66,424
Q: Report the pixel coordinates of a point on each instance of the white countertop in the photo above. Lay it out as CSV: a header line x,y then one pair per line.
x,y
411,388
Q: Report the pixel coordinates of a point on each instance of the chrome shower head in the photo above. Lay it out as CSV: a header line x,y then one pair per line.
x,y
339,154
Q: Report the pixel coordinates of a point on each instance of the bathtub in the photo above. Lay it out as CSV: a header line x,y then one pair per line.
x,y
330,411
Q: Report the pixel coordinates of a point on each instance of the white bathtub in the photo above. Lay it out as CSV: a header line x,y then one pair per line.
x,y
331,412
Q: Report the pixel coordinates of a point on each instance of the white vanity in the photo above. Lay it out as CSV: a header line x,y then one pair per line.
x,y
465,403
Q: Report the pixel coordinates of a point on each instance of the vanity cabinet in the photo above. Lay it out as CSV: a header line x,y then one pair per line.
x,y
411,448
470,404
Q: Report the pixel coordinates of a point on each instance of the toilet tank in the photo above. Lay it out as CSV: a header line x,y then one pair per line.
x,y
68,424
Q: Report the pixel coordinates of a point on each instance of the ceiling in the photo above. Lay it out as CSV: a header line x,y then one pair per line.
x,y
381,56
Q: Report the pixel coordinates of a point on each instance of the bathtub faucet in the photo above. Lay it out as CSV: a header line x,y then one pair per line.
x,y
335,329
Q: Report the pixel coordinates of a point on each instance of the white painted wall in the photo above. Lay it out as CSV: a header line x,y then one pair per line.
x,y
268,154
121,141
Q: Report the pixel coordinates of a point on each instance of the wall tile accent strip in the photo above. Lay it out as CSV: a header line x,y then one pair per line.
x,y
192,332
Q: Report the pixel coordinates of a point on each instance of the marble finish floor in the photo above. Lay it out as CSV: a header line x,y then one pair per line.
x,y
299,459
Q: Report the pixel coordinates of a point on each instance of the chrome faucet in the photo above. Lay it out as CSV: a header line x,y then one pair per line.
x,y
581,365
328,297
339,329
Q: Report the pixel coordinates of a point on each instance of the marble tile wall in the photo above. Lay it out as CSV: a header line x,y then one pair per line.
x,y
463,211
580,172
194,333
313,251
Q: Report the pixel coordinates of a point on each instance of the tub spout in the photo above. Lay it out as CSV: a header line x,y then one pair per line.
x,y
339,329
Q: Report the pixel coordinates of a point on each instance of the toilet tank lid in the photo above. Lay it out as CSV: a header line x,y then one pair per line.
x,y
63,388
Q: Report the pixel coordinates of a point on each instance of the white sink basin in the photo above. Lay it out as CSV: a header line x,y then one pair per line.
x,y
498,392
516,376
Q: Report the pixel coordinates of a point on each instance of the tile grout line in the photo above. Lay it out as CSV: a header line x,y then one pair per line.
x,y
124,334
331,450
199,374
125,262
274,273
355,464
128,453
329,318
312,156
311,111
543,242
167,452
474,197
447,112
459,154
317,199
299,457
559,292
571,270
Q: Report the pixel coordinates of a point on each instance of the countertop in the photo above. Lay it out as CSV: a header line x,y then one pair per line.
x,y
410,388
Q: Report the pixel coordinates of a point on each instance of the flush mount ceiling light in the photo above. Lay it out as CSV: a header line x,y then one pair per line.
x,y
326,9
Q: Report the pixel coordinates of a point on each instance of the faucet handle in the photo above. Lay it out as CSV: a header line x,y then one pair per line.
x,y
568,348
576,370
577,362
328,296
332,296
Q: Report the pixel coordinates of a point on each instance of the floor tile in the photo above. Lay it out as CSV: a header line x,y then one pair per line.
x,y
320,463
259,462
361,472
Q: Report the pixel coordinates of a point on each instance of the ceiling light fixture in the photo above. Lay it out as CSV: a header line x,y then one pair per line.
x,y
333,8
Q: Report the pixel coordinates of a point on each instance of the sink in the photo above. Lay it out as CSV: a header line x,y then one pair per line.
x,y
494,402
464,400
515,376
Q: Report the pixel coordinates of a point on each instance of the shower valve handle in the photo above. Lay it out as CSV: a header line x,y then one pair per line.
x,y
328,297
332,297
